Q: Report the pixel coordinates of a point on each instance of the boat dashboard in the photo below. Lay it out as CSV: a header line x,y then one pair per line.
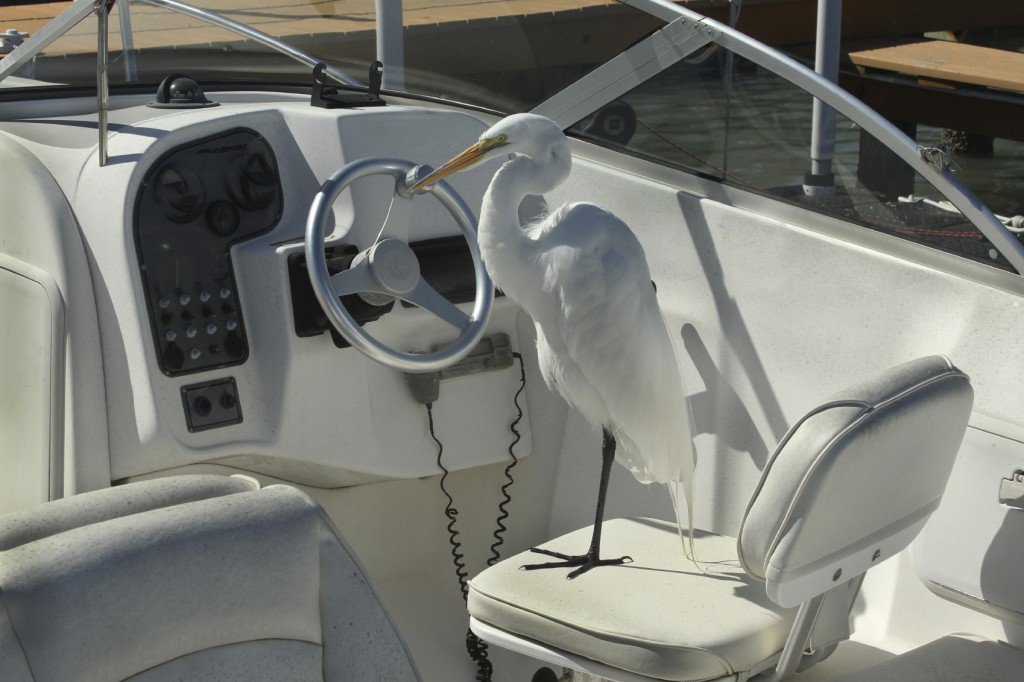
x,y
213,346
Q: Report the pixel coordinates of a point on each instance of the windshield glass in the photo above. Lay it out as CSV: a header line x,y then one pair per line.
x,y
505,55
724,117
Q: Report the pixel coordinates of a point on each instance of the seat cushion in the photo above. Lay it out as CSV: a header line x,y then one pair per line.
x,y
659,616
190,578
43,520
109,600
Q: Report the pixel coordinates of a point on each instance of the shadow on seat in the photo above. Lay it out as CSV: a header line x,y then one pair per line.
x,y
849,486
188,578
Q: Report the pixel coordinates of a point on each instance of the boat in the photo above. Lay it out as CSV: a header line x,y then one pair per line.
x,y
183,184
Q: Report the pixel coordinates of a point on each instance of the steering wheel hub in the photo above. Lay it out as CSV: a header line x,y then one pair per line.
x,y
394,267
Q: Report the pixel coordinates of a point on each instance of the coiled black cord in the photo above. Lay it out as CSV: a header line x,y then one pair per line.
x,y
450,512
476,647
499,532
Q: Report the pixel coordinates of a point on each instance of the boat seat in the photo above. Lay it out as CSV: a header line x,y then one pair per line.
x,y
970,553
188,578
849,486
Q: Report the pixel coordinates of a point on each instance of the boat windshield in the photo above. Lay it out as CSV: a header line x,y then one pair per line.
x,y
723,117
664,84
533,49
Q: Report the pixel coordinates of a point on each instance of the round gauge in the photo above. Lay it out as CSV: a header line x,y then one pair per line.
x,y
181,194
256,185
222,217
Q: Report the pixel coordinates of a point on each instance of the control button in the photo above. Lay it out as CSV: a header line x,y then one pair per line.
x,y
184,299
231,325
195,353
225,292
191,332
164,302
211,328
206,311
174,357
228,401
204,296
202,406
171,335
227,309
214,349
166,318
187,315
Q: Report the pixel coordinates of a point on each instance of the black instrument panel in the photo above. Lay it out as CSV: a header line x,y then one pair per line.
x,y
194,203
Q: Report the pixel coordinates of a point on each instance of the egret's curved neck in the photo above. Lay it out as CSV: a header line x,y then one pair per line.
x,y
505,247
499,211
518,177
501,238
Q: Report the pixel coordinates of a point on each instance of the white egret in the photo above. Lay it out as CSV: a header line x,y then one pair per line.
x,y
582,276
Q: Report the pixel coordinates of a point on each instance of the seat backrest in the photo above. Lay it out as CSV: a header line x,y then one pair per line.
x,y
855,479
215,584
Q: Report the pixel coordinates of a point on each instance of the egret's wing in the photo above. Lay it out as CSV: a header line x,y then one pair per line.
x,y
615,338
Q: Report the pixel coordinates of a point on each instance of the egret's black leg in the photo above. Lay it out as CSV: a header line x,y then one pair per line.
x,y
592,558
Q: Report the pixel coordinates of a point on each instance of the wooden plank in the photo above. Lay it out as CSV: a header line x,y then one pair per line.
x,y
955,63
907,102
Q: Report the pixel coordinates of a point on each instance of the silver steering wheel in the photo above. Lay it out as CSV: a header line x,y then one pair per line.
x,y
390,268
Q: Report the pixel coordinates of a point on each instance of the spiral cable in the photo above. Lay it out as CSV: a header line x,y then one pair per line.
x,y
499,532
475,647
450,512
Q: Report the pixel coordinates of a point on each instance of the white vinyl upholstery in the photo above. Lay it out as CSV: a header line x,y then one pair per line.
x,y
872,463
855,480
191,578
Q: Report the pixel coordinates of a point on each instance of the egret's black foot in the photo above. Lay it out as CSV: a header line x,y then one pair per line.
x,y
584,562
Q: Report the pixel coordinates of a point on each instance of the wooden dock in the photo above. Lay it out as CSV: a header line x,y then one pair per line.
x,y
944,63
941,83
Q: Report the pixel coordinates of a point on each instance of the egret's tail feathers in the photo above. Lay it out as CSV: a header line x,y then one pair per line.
x,y
685,489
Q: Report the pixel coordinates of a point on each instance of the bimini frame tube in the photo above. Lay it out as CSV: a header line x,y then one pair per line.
x,y
124,16
390,46
849,106
102,78
821,181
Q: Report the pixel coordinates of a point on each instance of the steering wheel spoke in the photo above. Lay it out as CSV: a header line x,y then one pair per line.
x,y
427,297
357,279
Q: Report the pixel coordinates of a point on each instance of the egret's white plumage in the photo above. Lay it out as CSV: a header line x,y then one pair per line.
x,y
582,275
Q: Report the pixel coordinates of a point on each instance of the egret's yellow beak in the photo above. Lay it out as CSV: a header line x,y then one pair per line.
x,y
462,161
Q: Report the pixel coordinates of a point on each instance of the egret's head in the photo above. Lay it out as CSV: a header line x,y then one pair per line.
x,y
525,134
